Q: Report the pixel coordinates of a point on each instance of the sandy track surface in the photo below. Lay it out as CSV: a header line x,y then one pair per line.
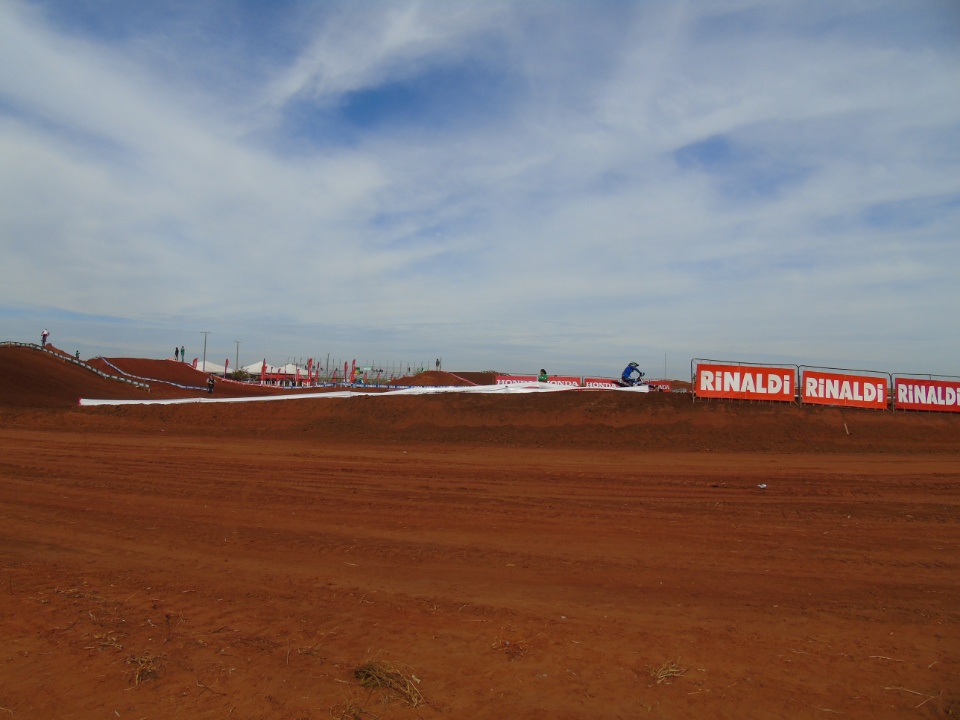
x,y
521,557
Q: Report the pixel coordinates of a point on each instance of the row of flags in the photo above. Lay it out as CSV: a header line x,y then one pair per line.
x,y
312,373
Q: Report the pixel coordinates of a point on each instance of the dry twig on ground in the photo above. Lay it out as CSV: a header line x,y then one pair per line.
x,y
666,671
349,710
386,677
148,666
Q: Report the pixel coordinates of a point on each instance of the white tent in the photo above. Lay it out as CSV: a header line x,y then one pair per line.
x,y
210,367
288,369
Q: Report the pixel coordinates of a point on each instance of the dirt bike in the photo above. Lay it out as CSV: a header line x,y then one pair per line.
x,y
632,383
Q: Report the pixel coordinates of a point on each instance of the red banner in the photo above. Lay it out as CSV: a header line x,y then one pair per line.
x,y
594,382
263,372
353,371
861,391
933,395
565,380
515,379
745,383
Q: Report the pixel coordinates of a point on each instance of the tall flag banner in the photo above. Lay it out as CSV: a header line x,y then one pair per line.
x,y
263,372
353,372
226,366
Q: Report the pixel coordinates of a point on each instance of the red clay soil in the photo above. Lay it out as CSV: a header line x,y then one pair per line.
x,y
438,378
564,555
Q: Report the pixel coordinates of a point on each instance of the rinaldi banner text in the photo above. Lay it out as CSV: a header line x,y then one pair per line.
x,y
931,395
745,383
861,391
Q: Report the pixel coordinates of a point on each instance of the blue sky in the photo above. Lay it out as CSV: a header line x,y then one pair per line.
x,y
505,185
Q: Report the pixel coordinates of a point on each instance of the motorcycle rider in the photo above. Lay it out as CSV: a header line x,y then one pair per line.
x,y
627,377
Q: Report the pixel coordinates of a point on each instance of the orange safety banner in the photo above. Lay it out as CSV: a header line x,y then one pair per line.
x,y
934,395
860,391
736,382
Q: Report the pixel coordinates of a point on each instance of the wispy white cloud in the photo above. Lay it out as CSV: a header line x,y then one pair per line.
x,y
504,184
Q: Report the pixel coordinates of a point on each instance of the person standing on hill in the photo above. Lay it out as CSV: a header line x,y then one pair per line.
x,y
543,377
43,337
183,353
176,353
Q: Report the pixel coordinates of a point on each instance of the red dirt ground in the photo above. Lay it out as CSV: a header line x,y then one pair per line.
x,y
538,556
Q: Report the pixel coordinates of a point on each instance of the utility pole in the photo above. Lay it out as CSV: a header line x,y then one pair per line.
x,y
204,333
237,366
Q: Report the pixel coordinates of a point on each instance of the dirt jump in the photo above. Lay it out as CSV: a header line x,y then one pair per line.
x,y
569,555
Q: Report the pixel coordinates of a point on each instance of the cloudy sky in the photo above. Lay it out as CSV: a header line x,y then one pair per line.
x,y
506,185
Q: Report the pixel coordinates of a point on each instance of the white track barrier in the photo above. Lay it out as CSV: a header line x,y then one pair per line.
x,y
513,389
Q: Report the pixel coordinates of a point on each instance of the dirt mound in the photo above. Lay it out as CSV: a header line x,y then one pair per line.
x,y
165,371
435,378
486,377
31,378
589,419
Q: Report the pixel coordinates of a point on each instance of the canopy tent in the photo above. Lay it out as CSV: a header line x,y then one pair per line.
x,y
288,369
210,367
277,373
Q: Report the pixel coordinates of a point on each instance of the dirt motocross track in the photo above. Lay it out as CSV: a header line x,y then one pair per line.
x,y
569,555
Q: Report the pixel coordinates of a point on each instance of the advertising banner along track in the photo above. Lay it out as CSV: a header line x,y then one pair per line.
x,y
736,382
930,395
844,390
